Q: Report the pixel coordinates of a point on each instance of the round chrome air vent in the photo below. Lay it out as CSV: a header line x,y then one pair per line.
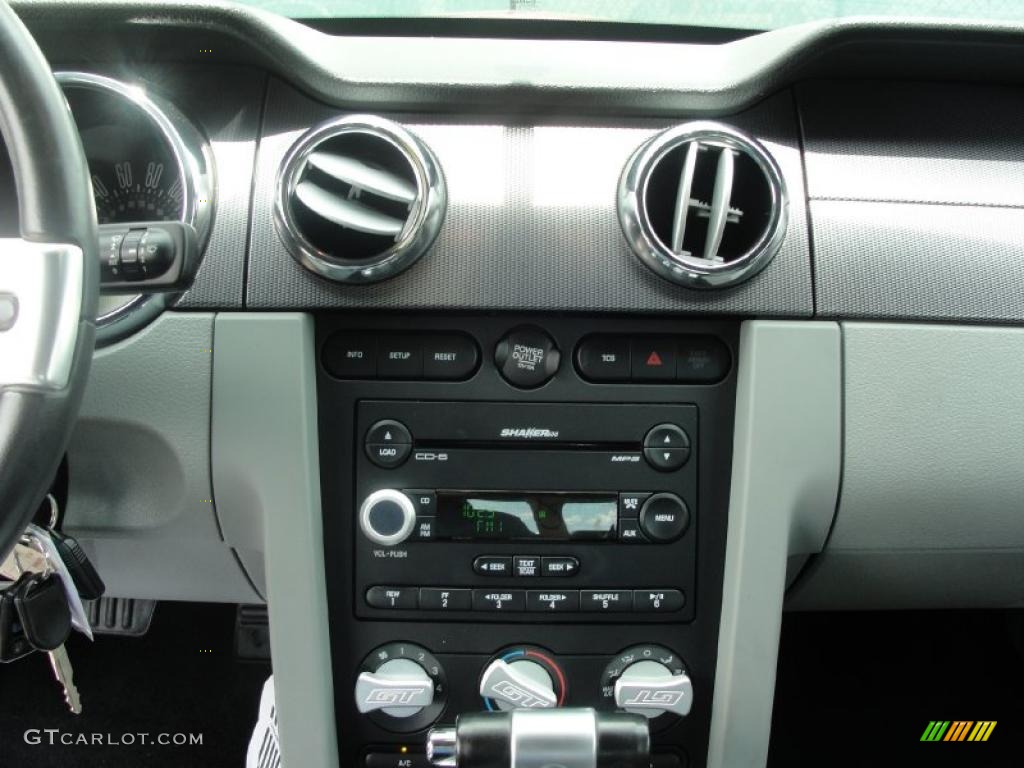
x,y
359,199
703,205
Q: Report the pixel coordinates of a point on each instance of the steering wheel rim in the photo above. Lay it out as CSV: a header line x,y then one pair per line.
x,y
49,279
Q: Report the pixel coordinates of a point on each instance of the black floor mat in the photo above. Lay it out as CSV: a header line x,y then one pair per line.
x,y
860,689
181,678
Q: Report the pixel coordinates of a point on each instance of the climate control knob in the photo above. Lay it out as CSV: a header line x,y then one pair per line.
x,y
648,680
401,687
522,678
387,517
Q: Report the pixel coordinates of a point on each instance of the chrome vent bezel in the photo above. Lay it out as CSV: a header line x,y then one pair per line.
x,y
422,224
684,268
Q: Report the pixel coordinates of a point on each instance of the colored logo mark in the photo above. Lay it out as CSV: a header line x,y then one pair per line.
x,y
958,730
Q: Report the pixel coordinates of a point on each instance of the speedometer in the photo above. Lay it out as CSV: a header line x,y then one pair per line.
x,y
136,188
147,163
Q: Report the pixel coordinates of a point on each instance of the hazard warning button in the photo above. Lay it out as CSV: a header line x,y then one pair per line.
x,y
653,359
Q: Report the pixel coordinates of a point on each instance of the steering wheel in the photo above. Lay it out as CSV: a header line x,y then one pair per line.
x,y
49,279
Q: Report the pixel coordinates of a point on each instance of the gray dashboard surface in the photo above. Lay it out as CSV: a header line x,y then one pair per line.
x,y
931,512
785,478
531,222
549,75
916,198
266,467
140,497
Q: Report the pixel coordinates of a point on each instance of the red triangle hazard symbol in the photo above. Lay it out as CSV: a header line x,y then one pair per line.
x,y
654,359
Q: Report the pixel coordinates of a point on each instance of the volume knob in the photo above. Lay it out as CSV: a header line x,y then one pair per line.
x,y
387,517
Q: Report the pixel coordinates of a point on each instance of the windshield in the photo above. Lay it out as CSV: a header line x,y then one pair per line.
x,y
726,14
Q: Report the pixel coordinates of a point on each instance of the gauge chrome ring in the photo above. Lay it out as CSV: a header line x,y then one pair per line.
x,y
680,268
189,148
421,227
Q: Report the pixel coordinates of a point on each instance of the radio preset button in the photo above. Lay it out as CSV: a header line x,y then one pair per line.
x,y
398,598
499,600
658,600
438,599
606,600
559,566
553,601
630,504
664,517
630,533
493,565
526,565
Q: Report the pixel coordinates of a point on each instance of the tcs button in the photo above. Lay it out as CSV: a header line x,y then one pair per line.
x,y
527,357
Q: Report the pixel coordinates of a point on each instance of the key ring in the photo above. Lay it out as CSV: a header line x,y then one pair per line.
x,y
54,511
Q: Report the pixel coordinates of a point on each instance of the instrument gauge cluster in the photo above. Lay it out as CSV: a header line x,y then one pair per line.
x,y
147,162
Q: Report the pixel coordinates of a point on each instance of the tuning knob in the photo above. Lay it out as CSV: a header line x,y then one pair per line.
x,y
387,517
522,678
649,680
401,686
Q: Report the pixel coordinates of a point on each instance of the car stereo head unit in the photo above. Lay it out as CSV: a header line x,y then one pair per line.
x,y
502,511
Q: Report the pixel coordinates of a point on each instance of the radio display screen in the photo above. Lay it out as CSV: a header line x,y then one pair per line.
x,y
550,516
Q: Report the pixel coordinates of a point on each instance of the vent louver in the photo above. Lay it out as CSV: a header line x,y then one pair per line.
x,y
703,205
359,199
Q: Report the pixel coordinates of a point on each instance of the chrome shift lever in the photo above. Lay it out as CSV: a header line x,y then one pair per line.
x,y
539,738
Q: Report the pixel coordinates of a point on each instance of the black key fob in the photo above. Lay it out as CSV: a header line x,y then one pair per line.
x,y
88,582
44,612
13,645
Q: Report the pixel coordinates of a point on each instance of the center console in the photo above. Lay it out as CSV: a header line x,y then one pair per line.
x,y
520,513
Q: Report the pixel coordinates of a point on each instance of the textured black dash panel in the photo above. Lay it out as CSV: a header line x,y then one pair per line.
x,y
936,262
531,222
914,142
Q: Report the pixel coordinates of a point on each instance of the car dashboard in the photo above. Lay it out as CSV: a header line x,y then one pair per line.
x,y
548,354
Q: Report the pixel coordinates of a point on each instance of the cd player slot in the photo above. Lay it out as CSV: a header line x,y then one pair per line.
x,y
547,445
